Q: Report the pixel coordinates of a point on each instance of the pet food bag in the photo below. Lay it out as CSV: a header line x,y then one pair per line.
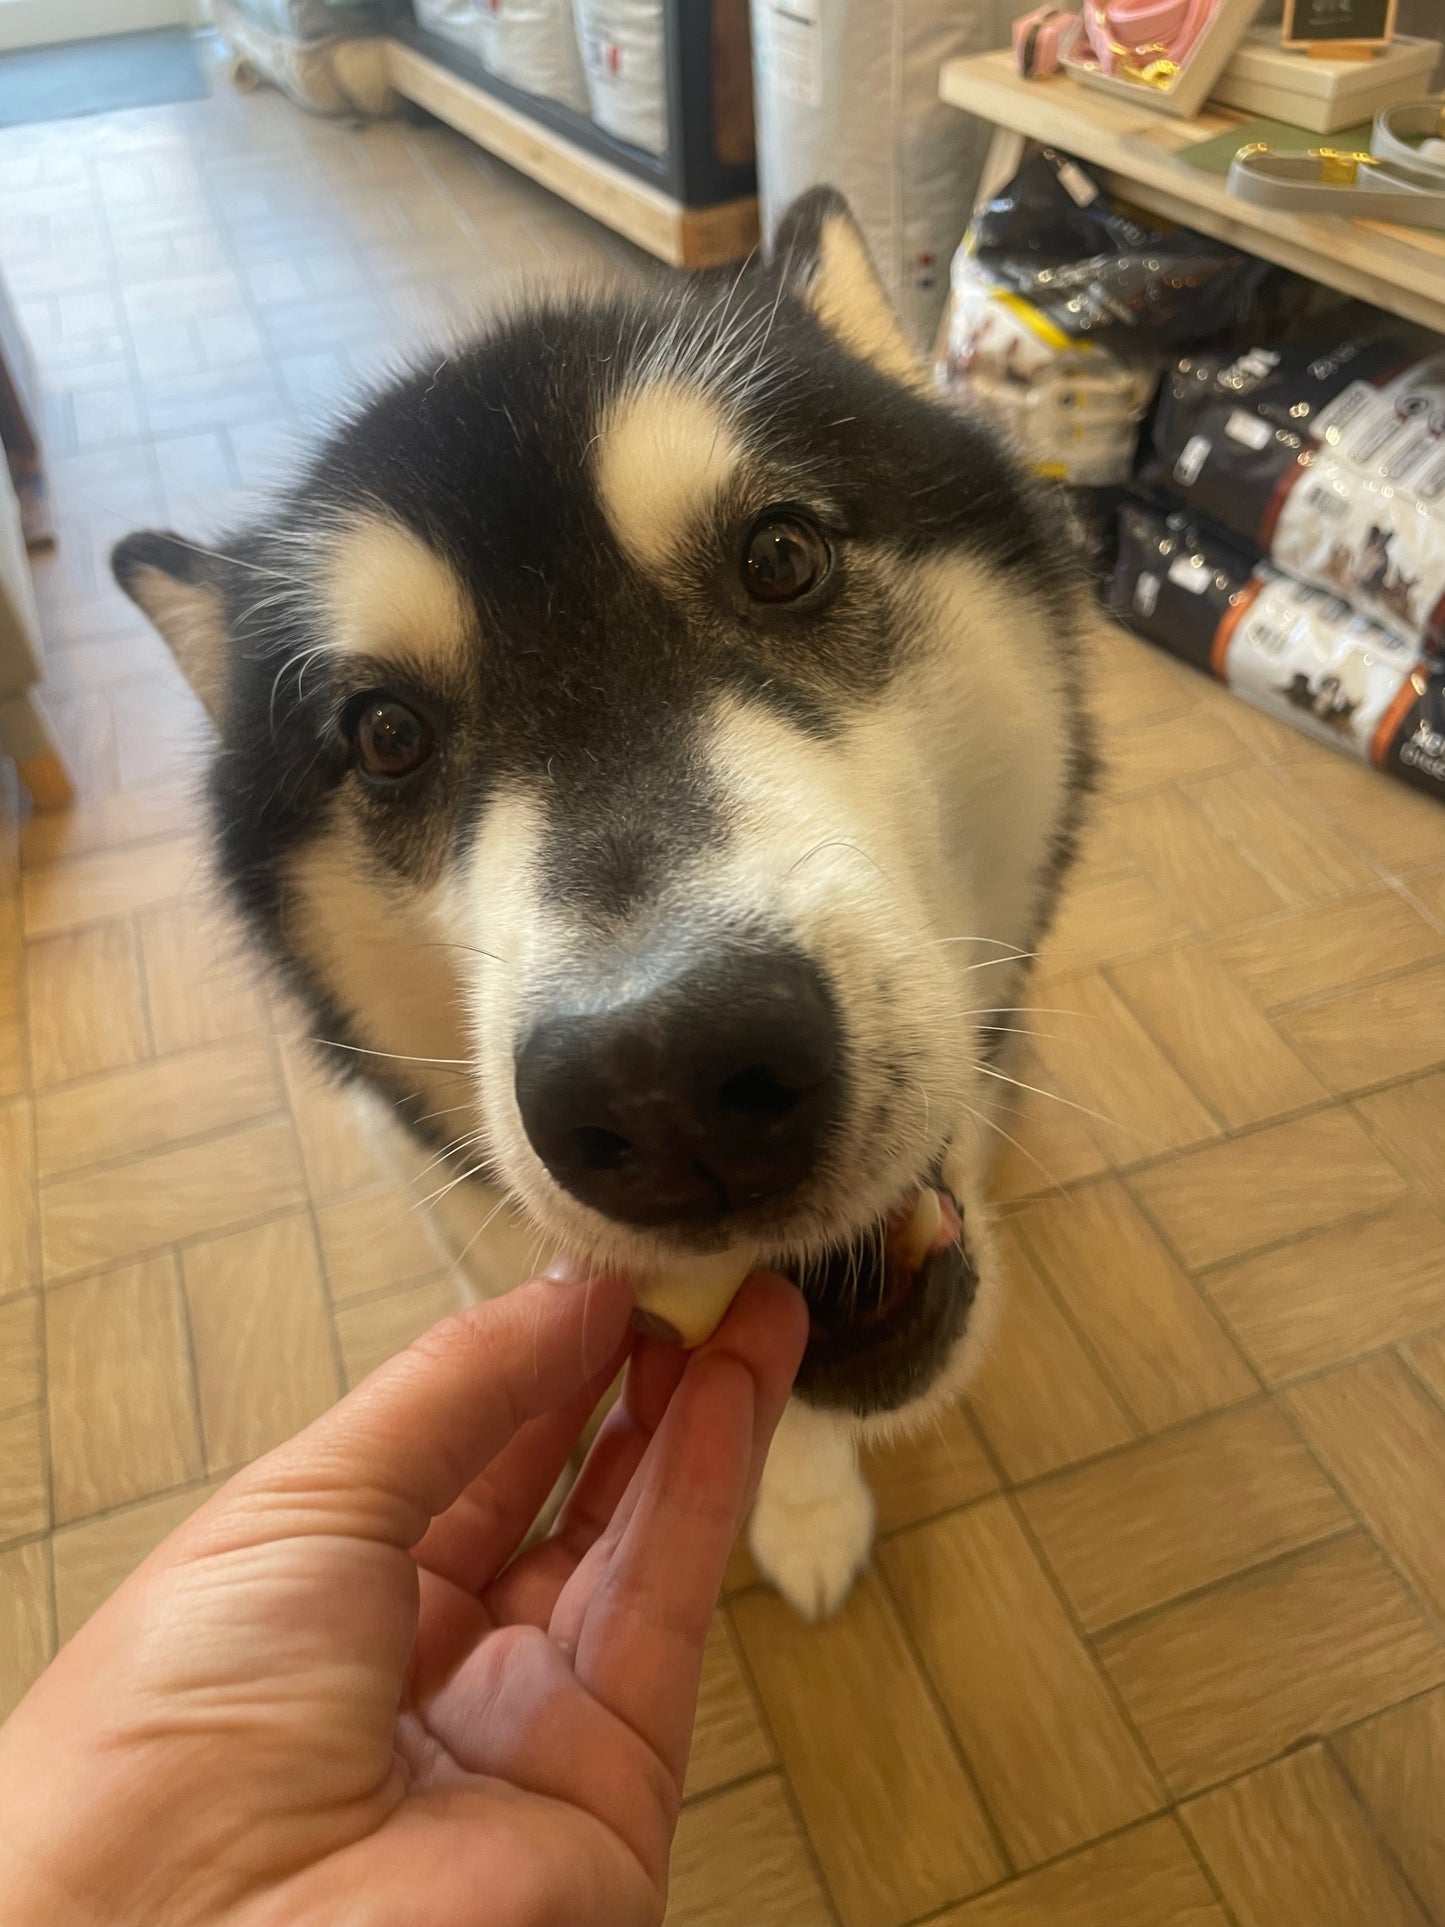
x,y
846,95
455,20
622,52
1068,409
1330,462
1097,273
532,45
1061,307
1287,647
341,73
307,21
1415,751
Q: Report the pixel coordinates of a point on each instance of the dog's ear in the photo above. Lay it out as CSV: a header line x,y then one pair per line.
x,y
181,588
822,256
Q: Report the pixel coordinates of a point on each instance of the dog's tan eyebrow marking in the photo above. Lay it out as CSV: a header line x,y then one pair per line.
x,y
663,456
387,592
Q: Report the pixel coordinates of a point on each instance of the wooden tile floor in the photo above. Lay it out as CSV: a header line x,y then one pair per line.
x,y
1155,1636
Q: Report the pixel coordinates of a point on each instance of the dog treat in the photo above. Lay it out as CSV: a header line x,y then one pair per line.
x,y
1330,461
686,1303
1284,646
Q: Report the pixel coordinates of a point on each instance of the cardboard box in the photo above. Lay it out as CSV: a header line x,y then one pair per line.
x,y
1308,90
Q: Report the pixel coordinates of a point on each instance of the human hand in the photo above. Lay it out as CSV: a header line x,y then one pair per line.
x,y
329,1697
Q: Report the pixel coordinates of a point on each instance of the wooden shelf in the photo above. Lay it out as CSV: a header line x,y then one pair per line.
x,y
685,237
1136,150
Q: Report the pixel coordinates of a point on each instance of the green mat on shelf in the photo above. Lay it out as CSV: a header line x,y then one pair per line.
x,y
1214,155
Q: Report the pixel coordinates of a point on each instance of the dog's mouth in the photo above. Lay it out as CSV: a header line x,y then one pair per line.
x,y
887,1308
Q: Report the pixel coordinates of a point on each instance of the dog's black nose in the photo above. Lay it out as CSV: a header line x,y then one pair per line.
x,y
689,1088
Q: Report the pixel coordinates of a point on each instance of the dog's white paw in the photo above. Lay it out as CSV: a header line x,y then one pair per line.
x,y
813,1552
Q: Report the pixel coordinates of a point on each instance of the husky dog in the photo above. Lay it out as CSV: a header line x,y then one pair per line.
x,y
650,744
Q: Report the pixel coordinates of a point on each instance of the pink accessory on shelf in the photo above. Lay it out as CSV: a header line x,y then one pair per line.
x,y
1041,39
1145,40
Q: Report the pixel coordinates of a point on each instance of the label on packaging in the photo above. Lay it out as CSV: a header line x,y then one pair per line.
x,y
1146,594
790,50
1252,430
1416,749
1077,185
1189,572
1192,457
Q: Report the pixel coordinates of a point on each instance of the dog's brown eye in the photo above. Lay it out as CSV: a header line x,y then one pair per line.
x,y
391,740
784,557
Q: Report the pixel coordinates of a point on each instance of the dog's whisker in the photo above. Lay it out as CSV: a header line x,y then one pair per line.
x,y
435,1197
1038,1091
998,943
1027,1029
835,843
443,1110
460,1258
1038,1010
396,1057
220,555
297,663
1023,1150
450,1150
468,949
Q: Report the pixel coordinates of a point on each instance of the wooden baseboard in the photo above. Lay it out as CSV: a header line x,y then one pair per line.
x,y
710,237
37,525
685,237
47,781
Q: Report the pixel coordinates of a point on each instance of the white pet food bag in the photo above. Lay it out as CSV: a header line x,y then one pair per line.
x,y
531,44
1301,654
456,20
846,96
622,47
1070,409
1367,518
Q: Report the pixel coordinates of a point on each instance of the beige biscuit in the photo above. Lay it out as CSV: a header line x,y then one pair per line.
x,y
686,1303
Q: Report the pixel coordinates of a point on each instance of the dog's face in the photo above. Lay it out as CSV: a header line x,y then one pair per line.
x,y
660,716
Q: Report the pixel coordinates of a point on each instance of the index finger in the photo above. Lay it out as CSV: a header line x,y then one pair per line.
x,y
413,1435
646,1614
